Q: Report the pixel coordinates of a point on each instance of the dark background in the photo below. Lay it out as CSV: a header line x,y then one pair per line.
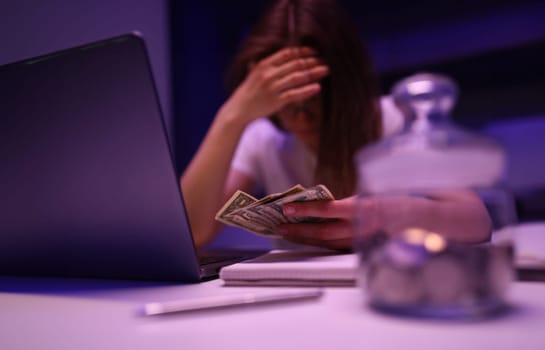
x,y
495,49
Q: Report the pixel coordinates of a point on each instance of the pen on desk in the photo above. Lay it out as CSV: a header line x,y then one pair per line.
x,y
229,300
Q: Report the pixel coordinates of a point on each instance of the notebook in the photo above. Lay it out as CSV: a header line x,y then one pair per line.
x,y
299,267
529,252
88,185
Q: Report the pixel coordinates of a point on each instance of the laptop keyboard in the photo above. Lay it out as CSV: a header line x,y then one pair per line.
x,y
211,259
223,255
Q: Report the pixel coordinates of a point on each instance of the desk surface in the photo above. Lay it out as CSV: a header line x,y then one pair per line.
x,y
84,314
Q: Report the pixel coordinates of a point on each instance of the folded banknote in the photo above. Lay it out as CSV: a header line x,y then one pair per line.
x,y
261,216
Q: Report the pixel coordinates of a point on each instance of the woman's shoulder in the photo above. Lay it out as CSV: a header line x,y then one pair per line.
x,y
392,118
263,129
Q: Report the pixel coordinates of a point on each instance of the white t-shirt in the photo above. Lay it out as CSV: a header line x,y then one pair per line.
x,y
276,160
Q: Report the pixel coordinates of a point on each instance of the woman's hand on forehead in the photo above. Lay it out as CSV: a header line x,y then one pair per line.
x,y
290,53
290,75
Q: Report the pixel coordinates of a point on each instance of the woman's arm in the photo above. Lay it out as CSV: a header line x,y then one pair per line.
x,y
207,182
458,215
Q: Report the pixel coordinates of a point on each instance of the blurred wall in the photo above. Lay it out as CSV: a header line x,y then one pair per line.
x,y
494,49
33,27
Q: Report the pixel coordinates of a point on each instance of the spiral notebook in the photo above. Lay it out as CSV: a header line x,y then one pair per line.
x,y
307,267
529,241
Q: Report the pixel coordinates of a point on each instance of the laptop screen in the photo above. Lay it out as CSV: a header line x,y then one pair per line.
x,y
88,187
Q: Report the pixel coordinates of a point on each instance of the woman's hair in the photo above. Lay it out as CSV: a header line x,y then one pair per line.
x,y
351,114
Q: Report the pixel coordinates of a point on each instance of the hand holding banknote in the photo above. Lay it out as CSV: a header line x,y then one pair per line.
x,y
263,216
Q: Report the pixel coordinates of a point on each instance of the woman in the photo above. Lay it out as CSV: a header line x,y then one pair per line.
x,y
305,100
305,67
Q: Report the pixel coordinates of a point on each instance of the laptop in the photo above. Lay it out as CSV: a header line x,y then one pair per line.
x,y
88,186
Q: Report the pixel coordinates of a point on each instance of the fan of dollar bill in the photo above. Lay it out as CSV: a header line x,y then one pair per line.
x,y
261,216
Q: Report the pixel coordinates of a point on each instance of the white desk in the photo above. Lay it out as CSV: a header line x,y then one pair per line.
x,y
78,314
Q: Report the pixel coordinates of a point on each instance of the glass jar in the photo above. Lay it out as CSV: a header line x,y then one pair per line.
x,y
430,196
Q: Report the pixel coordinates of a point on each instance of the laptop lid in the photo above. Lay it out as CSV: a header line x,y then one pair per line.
x,y
88,186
